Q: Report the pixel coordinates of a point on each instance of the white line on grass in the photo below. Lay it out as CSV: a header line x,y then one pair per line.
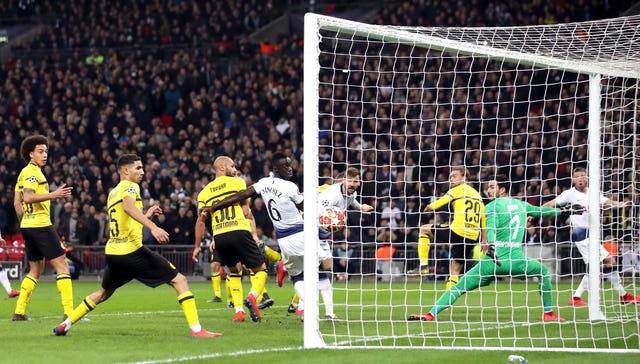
x,y
215,355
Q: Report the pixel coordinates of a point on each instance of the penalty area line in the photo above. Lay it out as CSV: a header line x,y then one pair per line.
x,y
214,355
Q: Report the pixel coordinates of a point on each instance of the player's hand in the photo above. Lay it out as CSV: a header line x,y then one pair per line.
x,y
196,252
574,209
160,234
366,208
63,191
154,210
491,253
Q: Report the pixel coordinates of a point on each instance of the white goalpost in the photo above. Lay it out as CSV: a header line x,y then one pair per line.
x,y
405,104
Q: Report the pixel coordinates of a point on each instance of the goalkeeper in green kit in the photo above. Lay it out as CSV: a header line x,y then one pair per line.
x,y
506,220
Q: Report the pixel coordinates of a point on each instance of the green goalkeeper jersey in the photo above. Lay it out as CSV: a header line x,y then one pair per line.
x,y
507,222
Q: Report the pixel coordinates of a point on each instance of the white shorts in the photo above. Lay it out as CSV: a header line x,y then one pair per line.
x,y
292,251
583,248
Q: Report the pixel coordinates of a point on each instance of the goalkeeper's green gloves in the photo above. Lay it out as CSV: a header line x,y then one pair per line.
x,y
574,209
491,253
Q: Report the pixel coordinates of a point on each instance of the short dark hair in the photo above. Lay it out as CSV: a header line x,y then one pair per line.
x,y
29,145
127,159
502,181
278,156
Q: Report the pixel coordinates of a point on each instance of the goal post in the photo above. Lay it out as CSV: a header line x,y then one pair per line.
x,y
403,105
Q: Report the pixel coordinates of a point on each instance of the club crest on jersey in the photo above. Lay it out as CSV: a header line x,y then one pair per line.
x,y
32,179
131,190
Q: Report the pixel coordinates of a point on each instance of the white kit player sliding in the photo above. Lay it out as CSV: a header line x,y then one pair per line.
x,y
4,279
342,195
577,198
284,205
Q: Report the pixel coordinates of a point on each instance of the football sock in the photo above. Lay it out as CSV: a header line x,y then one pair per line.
x,y
614,277
188,304
252,278
326,291
4,279
227,289
295,299
272,255
234,281
424,245
26,289
451,282
583,286
63,281
298,287
84,308
258,283
216,283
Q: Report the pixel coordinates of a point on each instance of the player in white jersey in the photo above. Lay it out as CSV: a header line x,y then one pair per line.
x,y
284,205
577,198
343,195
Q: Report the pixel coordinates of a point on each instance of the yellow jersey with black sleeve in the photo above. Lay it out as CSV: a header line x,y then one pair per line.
x,y
36,214
230,218
468,210
125,233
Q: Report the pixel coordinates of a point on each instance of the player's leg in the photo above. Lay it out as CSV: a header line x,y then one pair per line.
x,y
253,259
468,282
532,268
324,277
28,284
424,246
188,304
87,305
576,298
610,271
458,258
63,282
216,280
4,280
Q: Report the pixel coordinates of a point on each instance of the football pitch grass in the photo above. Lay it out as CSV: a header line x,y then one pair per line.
x,y
143,325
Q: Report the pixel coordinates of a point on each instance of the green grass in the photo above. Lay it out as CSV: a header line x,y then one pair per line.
x,y
139,324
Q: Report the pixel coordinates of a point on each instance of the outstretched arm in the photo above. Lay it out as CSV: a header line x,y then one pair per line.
x,y
542,211
248,192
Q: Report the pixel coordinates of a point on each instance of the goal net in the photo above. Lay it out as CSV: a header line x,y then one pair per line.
x,y
404,105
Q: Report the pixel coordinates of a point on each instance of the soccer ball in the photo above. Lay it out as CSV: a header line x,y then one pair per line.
x,y
331,219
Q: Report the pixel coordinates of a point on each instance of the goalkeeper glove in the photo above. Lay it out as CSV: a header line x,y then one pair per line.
x,y
491,253
574,209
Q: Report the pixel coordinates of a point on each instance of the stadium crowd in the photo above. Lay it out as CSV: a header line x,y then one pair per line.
x,y
155,78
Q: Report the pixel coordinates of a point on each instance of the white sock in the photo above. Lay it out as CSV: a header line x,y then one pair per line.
x,y
327,295
584,285
614,277
5,281
298,287
196,328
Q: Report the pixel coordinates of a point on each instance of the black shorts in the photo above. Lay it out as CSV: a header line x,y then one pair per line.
x,y
461,247
148,267
42,243
214,257
238,246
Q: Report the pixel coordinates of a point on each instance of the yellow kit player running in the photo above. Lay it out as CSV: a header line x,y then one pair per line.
x,y
32,201
128,259
463,233
232,233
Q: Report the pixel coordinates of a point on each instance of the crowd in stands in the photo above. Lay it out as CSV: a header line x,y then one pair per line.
x,y
155,78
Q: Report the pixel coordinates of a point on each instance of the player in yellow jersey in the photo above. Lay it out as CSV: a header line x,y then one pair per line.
x,y
462,234
128,259
32,200
232,233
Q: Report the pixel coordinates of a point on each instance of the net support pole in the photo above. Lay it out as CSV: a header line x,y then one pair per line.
x,y
312,337
593,268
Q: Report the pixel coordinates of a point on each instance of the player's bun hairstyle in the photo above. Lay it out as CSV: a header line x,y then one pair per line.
x,y
29,145
127,159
